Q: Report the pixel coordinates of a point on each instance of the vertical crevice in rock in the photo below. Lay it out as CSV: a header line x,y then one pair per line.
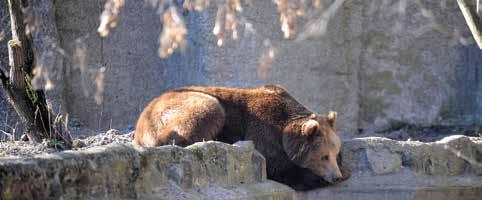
x,y
468,95
103,64
361,63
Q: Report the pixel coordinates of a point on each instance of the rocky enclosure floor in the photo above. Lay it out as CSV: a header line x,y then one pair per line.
x,y
9,148
18,148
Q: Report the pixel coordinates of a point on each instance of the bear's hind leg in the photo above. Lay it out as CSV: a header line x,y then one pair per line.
x,y
191,117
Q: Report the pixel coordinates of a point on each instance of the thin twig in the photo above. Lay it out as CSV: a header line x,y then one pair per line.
x,y
10,135
6,126
6,133
37,112
52,125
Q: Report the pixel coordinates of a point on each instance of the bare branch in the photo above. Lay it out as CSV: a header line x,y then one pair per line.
x,y
110,16
479,8
173,34
472,20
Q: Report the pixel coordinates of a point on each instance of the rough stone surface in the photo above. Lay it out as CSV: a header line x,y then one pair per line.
x,y
8,117
414,70
49,55
5,33
452,156
446,169
383,161
208,170
380,169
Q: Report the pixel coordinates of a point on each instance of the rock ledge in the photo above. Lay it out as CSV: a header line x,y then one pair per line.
x,y
207,170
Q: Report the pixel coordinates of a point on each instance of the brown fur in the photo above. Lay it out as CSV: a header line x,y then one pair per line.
x,y
301,147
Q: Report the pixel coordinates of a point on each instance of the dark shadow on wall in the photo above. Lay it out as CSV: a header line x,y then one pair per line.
x,y
468,84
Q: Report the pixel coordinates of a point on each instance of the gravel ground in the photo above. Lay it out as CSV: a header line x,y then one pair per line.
x,y
27,149
111,136
23,149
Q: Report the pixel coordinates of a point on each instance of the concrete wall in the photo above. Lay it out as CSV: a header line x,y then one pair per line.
x,y
379,64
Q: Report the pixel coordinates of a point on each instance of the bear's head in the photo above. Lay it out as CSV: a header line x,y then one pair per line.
x,y
311,142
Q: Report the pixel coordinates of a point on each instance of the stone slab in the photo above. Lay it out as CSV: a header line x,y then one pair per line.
x,y
387,169
122,171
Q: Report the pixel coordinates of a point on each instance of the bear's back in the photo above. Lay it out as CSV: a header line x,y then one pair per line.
x,y
226,114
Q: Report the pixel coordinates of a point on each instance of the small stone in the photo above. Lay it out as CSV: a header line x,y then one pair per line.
x,y
113,132
78,144
24,137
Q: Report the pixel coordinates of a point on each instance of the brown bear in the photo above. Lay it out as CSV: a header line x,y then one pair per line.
x,y
301,148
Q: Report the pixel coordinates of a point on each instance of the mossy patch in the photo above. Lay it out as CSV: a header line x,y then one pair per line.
x,y
378,41
373,107
383,81
406,57
13,43
197,153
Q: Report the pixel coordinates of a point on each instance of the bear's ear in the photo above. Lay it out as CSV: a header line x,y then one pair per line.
x,y
309,127
331,118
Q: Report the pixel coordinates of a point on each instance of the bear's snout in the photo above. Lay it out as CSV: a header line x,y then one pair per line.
x,y
334,178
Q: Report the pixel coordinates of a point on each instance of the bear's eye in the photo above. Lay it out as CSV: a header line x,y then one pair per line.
x,y
324,158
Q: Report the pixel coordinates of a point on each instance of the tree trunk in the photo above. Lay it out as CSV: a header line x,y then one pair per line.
x,y
29,104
